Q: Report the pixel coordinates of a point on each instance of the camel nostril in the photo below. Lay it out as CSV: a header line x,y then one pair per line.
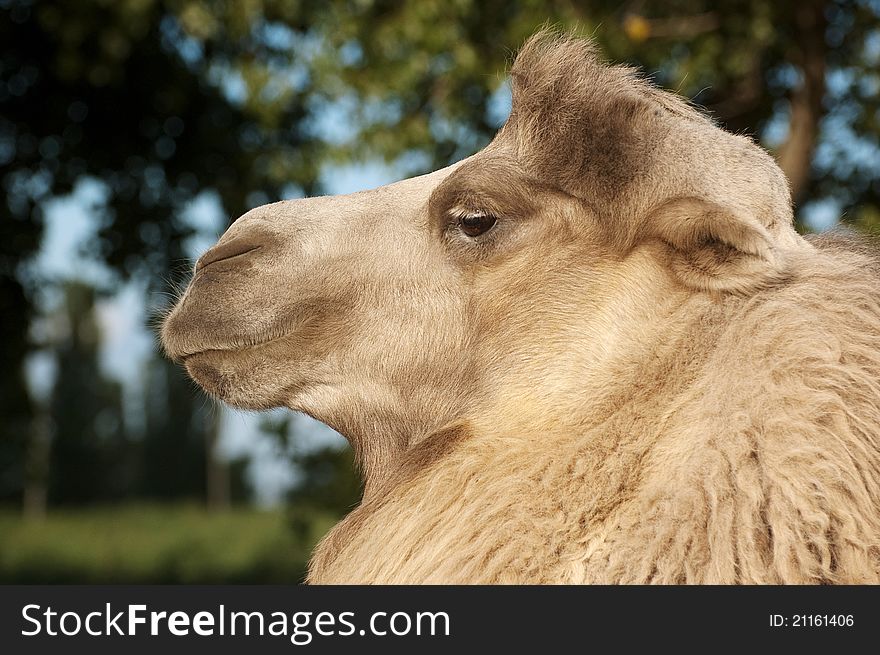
x,y
223,251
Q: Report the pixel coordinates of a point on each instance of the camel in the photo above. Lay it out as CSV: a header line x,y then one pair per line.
x,y
596,351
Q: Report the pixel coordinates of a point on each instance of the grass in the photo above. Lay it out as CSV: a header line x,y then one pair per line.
x,y
158,544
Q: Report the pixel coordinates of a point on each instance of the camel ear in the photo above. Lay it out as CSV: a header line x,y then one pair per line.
x,y
715,247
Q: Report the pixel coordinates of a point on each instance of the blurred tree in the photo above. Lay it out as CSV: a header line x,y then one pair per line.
x,y
178,450
175,435
15,404
328,485
120,92
89,454
125,93
327,482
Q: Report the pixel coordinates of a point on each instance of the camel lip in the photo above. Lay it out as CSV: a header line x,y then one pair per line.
x,y
184,357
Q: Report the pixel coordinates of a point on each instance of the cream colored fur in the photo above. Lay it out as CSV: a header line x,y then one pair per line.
x,y
640,373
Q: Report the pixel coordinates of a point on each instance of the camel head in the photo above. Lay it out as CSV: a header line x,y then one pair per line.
x,y
502,292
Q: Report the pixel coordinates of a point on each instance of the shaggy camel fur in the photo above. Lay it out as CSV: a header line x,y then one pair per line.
x,y
594,352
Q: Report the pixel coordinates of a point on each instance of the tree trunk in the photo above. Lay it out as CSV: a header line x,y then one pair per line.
x,y
795,155
36,474
216,467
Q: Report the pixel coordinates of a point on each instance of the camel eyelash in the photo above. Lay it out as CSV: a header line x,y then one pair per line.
x,y
458,213
470,223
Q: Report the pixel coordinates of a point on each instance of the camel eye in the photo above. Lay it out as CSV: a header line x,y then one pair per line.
x,y
473,225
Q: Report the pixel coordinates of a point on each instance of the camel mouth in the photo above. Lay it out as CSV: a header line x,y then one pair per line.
x,y
231,349
184,358
239,378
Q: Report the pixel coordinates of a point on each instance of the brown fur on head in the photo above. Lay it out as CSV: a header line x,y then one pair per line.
x,y
537,314
649,165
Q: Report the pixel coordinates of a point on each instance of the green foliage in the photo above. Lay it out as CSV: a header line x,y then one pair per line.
x,y
327,483
329,480
152,544
15,404
119,91
172,451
